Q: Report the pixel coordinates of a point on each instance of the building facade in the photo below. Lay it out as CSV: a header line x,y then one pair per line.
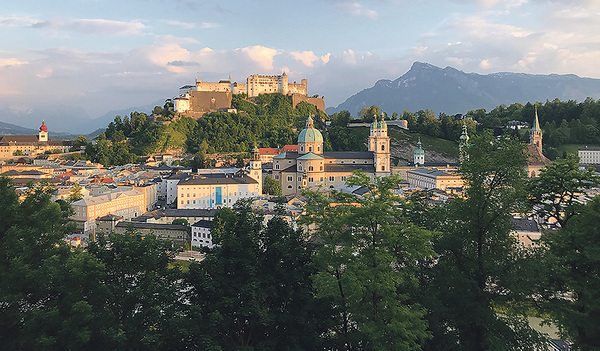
x,y
12,146
312,168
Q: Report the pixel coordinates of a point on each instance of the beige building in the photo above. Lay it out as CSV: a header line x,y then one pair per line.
x,y
204,97
125,203
210,191
30,145
429,178
314,169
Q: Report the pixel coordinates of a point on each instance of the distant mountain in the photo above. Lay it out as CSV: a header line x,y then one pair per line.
x,y
13,129
452,91
103,121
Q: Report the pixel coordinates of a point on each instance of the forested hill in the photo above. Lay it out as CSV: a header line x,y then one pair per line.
x,y
452,91
268,121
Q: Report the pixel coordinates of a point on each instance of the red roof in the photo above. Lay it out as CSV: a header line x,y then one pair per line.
x,y
268,151
289,148
64,175
43,128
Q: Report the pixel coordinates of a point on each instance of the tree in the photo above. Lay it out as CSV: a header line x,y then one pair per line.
x,y
271,186
480,267
253,290
139,301
368,114
180,221
554,194
75,193
574,258
367,260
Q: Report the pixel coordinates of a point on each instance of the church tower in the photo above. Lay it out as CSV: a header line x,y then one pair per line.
x,y
43,133
419,155
380,147
256,168
535,137
464,142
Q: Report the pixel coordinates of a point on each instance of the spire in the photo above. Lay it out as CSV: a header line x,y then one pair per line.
x,y
536,123
310,123
464,137
43,128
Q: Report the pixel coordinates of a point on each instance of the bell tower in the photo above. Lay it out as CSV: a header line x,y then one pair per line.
x,y
43,133
535,137
256,168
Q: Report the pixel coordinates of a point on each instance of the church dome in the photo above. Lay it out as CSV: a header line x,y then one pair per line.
x,y
310,134
419,150
382,124
43,128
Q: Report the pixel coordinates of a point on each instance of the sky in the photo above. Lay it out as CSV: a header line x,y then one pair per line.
x,y
103,55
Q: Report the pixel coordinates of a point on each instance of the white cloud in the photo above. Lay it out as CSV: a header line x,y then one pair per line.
x,y
4,62
355,9
261,55
308,58
93,26
484,64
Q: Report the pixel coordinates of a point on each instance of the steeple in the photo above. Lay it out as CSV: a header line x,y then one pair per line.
x,y
535,137
464,137
43,133
419,154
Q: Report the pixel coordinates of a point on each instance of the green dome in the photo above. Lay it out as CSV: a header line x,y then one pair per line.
x,y
419,150
382,124
310,134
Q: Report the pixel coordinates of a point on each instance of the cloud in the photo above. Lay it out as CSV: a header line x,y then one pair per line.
x,y
261,55
92,26
6,62
188,25
308,58
355,9
17,21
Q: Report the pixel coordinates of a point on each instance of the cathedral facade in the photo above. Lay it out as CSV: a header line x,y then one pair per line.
x,y
315,169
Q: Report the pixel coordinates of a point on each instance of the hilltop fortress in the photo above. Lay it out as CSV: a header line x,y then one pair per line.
x,y
204,97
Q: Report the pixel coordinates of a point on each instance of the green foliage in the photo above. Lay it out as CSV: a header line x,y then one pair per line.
x,y
271,186
479,263
555,192
180,221
253,292
367,261
574,258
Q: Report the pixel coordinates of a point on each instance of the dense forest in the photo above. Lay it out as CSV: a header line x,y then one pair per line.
x,y
374,272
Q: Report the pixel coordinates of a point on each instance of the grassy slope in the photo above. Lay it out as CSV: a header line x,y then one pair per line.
x,y
444,147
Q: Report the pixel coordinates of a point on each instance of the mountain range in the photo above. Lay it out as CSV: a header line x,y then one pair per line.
x,y
453,91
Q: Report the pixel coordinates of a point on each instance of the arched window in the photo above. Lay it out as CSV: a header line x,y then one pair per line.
x,y
383,168
382,147
310,149
310,168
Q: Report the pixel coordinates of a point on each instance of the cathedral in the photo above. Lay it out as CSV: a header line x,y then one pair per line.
x,y
313,168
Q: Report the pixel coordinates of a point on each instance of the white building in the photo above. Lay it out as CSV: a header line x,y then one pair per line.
x,y
216,190
201,236
589,155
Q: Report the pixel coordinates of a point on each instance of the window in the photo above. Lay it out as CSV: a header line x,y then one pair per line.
x,y
343,178
382,147
383,168
277,166
310,168
310,149
310,179
331,179
299,179
289,178
289,186
321,168
321,178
